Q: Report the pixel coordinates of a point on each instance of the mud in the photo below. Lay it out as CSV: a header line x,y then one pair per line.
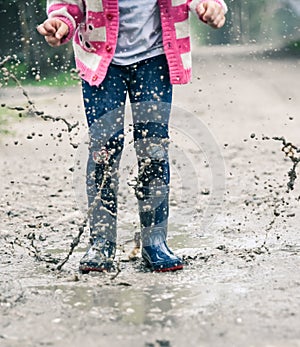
x,y
290,151
240,285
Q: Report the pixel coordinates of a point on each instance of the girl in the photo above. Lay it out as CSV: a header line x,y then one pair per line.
x,y
141,49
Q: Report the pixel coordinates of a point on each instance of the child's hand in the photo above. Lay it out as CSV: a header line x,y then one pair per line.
x,y
54,31
211,13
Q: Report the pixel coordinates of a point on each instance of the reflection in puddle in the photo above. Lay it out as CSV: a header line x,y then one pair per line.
x,y
147,305
122,304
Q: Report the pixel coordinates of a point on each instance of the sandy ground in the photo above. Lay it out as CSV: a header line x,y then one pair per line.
x,y
241,282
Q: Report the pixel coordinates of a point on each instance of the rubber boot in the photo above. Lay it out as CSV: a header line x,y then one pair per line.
x,y
102,188
152,189
99,257
154,211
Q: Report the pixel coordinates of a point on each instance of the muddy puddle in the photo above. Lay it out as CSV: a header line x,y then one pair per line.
x,y
240,285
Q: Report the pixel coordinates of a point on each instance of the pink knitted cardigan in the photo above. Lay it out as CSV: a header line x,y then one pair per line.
x,y
93,25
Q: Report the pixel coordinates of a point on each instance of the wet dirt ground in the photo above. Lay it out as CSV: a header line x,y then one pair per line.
x,y
241,281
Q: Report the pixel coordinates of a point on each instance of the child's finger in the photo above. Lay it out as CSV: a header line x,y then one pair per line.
x,y
217,21
40,28
62,30
209,14
45,30
52,41
221,22
201,10
49,27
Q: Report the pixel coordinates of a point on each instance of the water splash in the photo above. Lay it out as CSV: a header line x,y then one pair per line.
x,y
31,106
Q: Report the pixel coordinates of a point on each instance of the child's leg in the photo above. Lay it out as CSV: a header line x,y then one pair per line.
x,y
151,96
104,107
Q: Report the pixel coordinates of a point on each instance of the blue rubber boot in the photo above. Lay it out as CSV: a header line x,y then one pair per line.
x,y
99,257
152,190
154,211
158,255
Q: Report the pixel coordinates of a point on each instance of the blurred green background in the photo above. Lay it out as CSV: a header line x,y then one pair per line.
x,y
270,23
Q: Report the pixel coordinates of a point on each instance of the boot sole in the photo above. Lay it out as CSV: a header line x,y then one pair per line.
x,y
87,269
165,269
169,269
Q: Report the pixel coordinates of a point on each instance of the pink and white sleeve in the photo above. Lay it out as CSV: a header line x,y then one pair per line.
x,y
69,11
